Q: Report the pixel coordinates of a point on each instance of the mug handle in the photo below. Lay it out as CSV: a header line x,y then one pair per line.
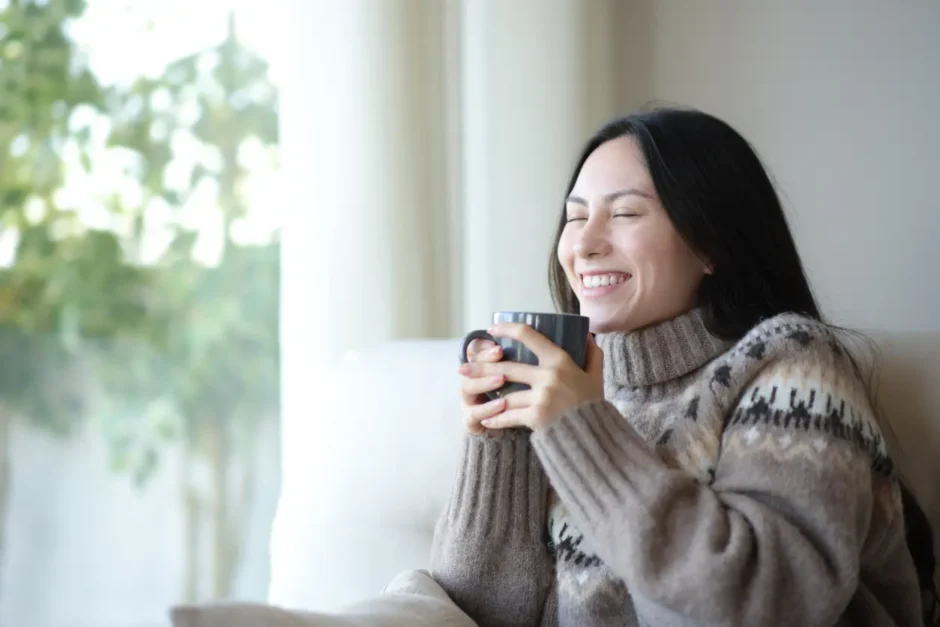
x,y
479,334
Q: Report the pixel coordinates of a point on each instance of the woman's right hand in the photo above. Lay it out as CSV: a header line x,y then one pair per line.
x,y
476,405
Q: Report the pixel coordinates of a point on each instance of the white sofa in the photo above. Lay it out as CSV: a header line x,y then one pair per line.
x,y
366,479
364,484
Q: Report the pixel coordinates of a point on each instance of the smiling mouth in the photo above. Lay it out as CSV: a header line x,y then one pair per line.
x,y
611,279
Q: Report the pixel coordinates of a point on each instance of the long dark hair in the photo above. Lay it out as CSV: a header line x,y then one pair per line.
x,y
721,200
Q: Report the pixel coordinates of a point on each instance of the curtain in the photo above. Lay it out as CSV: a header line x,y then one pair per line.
x,y
425,149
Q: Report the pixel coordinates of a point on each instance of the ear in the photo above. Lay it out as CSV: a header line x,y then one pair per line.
x,y
708,268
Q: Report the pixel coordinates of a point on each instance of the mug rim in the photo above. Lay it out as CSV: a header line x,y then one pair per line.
x,y
540,313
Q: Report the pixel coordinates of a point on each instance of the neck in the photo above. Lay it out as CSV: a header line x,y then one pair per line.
x,y
660,352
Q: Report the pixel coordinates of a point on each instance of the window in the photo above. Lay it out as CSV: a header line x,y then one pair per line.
x,y
139,295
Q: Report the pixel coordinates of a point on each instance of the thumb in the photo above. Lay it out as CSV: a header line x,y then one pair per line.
x,y
595,357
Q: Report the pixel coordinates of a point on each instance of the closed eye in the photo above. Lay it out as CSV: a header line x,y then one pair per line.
x,y
575,219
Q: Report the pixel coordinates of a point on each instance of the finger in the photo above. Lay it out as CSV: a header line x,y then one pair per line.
x,y
511,418
513,371
486,410
595,357
520,399
480,348
546,350
471,387
473,416
490,355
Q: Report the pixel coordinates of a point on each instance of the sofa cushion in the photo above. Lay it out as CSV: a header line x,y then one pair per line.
x,y
412,599
366,474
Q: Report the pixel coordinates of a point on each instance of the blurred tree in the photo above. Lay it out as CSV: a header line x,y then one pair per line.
x,y
213,376
182,347
60,282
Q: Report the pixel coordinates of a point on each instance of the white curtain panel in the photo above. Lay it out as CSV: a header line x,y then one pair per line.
x,y
365,255
425,149
426,145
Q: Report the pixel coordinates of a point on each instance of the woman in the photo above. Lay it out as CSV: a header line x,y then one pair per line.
x,y
718,462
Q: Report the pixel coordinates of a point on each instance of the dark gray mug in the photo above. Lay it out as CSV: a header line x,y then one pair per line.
x,y
569,331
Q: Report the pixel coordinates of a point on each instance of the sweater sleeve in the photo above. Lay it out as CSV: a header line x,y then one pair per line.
x,y
489,551
774,539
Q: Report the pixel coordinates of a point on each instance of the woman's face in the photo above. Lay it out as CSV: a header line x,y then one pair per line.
x,y
623,257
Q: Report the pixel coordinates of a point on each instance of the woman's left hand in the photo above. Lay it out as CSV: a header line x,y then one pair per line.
x,y
556,385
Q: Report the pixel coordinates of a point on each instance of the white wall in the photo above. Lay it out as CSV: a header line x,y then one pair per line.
x,y
842,100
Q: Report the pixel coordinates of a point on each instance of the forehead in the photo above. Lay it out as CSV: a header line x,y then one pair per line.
x,y
615,165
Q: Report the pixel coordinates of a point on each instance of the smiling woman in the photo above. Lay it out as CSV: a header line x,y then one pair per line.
x,y
696,200
719,460
618,249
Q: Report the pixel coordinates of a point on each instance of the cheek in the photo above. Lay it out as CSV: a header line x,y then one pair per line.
x,y
681,269
565,252
662,254
639,246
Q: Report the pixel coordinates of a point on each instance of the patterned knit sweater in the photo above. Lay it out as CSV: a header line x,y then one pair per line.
x,y
743,485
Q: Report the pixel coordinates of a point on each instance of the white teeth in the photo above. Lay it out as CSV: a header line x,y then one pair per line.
x,y
603,280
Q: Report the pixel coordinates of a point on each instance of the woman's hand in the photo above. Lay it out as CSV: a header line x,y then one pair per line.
x,y
473,388
557,383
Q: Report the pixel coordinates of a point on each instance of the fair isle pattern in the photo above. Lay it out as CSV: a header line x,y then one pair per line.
x,y
796,405
821,396
595,587
784,448
565,543
812,396
791,408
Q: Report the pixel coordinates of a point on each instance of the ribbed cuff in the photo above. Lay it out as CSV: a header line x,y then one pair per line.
x,y
597,463
501,490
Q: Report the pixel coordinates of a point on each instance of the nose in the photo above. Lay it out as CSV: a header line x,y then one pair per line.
x,y
592,240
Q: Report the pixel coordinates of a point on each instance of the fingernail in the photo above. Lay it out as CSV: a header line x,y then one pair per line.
x,y
492,352
486,422
497,378
464,369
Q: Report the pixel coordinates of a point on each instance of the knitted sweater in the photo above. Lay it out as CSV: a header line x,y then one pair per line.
x,y
743,485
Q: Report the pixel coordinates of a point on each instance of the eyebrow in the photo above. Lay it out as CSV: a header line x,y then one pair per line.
x,y
611,197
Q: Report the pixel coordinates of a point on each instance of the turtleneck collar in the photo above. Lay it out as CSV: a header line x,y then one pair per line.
x,y
660,352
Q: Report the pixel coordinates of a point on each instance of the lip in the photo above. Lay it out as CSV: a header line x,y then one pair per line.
x,y
603,290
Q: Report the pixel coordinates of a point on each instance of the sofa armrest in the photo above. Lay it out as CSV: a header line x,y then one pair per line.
x,y
366,471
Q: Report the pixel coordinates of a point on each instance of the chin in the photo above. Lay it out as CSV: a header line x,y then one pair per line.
x,y
609,315
606,324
